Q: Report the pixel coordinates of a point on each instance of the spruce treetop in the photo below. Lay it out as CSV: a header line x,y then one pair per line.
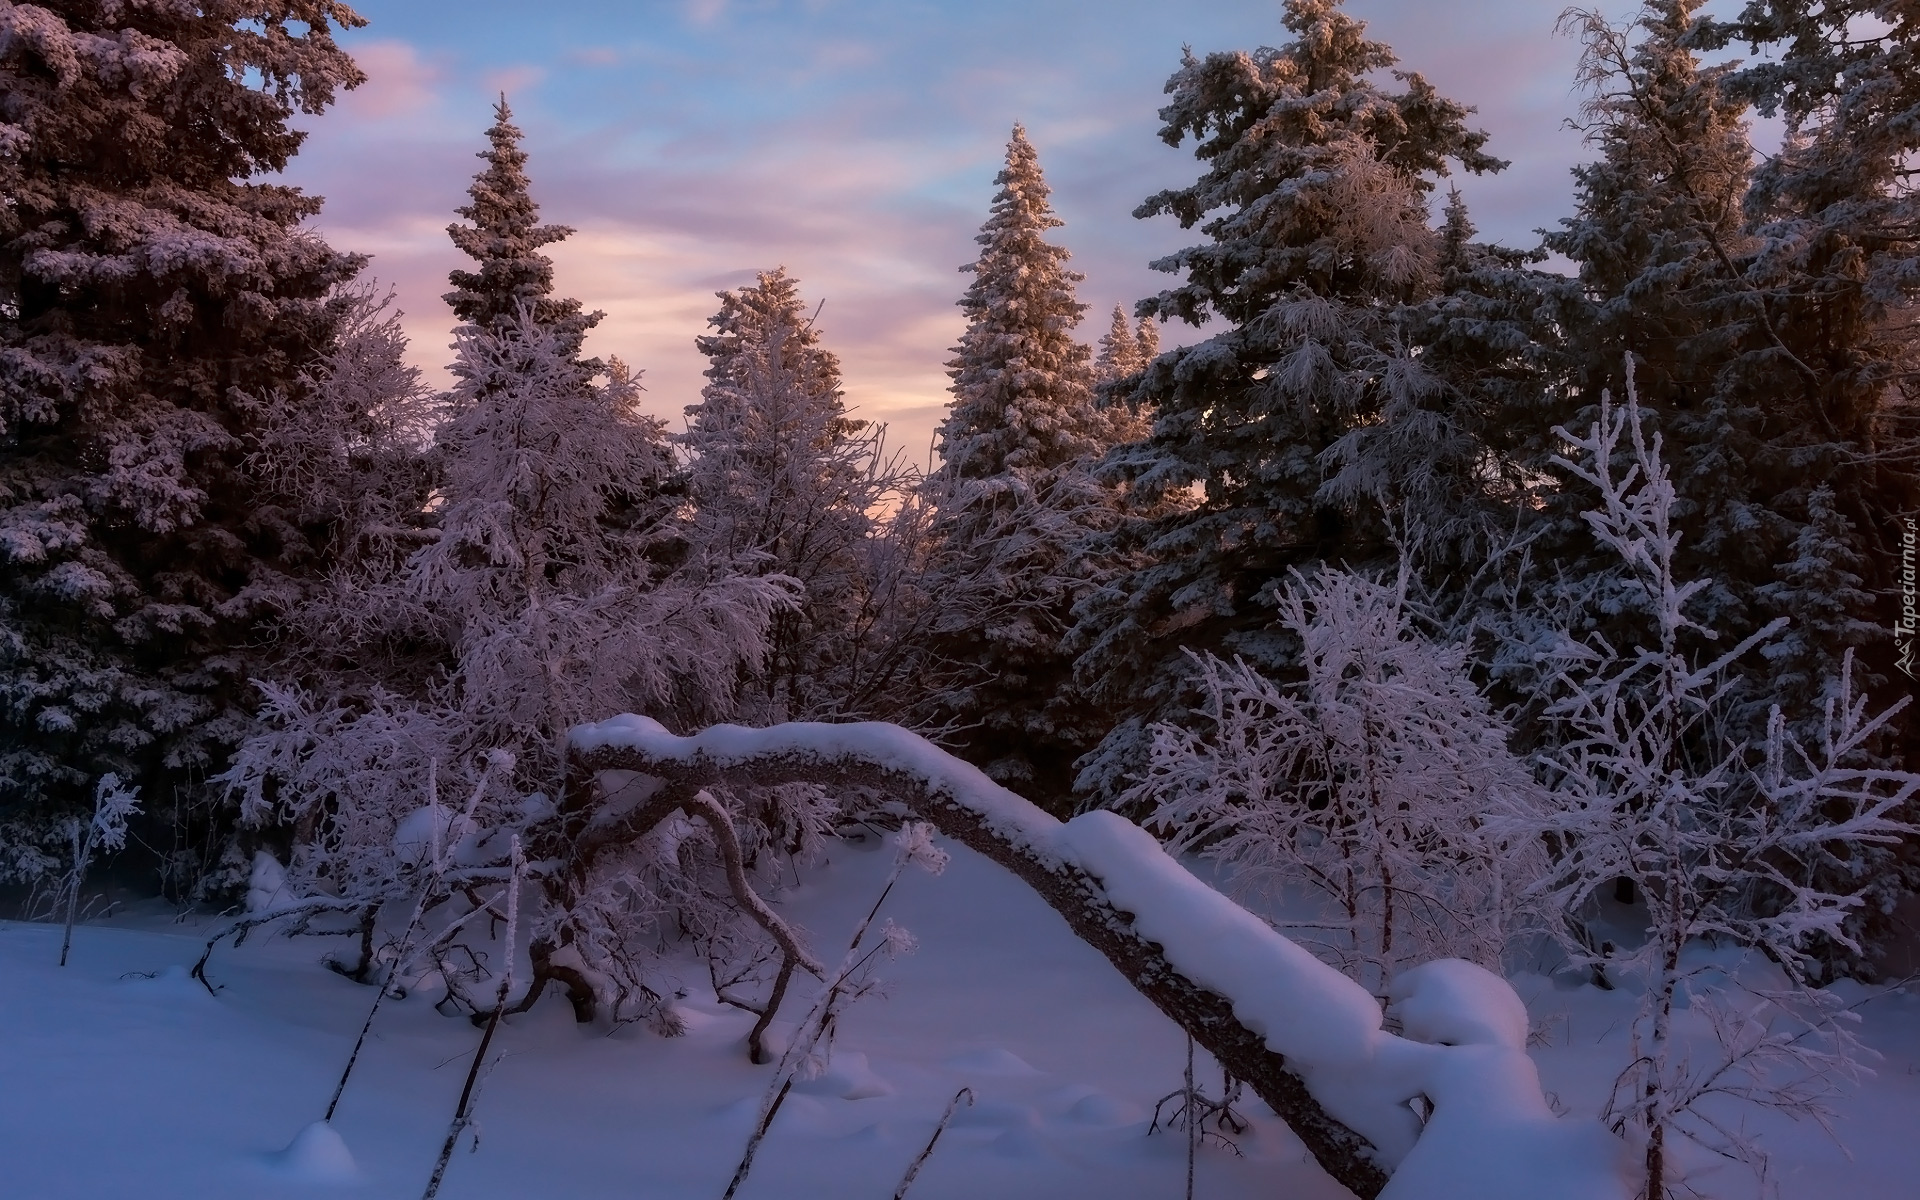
x,y
1021,383
1121,352
1275,127
1147,335
504,238
752,318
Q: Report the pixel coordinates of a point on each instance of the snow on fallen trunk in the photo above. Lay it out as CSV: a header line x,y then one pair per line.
x,y
1490,1133
1308,1039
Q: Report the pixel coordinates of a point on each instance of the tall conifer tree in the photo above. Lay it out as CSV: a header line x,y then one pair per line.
x,y
150,291
1013,500
1313,201
503,236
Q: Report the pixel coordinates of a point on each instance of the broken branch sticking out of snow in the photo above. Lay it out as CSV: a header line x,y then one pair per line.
x,y
1305,1037
718,820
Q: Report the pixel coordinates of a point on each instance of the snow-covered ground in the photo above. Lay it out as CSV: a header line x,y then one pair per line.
x,y
117,1085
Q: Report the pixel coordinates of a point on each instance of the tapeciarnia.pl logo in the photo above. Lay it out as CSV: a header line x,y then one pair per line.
x,y
1907,627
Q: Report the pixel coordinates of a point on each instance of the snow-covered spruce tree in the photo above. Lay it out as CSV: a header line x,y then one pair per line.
x,y
149,288
1012,502
783,482
546,596
1727,841
1779,456
1371,789
1667,260
1020,379
503,236
1125,349
1314,204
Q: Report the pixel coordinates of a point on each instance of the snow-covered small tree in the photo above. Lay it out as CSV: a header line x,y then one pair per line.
x,y
106,829
1724,840
1373,789
783,482
1012,502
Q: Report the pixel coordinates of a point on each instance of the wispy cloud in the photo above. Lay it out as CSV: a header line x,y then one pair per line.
x,y
854,141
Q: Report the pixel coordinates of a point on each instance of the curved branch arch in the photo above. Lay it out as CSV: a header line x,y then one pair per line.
x,y
1116,888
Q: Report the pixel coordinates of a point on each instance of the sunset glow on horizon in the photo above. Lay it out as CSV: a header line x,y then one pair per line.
x,y
692,143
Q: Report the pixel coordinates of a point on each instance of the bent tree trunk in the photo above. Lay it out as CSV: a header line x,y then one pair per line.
x,y
738,757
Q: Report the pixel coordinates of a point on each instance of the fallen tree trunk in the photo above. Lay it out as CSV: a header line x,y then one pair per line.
x,y
793,754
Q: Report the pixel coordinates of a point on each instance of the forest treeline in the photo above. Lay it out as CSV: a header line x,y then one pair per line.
x,y
254,565
1457,589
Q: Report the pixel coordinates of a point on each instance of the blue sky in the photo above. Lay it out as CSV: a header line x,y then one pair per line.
x,y
692,142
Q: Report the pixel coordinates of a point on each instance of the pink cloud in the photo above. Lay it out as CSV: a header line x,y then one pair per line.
x,y
399,82
864,167
514,80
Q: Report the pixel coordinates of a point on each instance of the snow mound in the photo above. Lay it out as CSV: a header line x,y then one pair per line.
x,y
1103,1111
433,828
1019,1143
991,1061
1452,1002
848,1077
316,1155
266,883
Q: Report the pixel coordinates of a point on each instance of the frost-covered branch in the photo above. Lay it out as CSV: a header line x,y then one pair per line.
x,y
1369,784
1721,840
